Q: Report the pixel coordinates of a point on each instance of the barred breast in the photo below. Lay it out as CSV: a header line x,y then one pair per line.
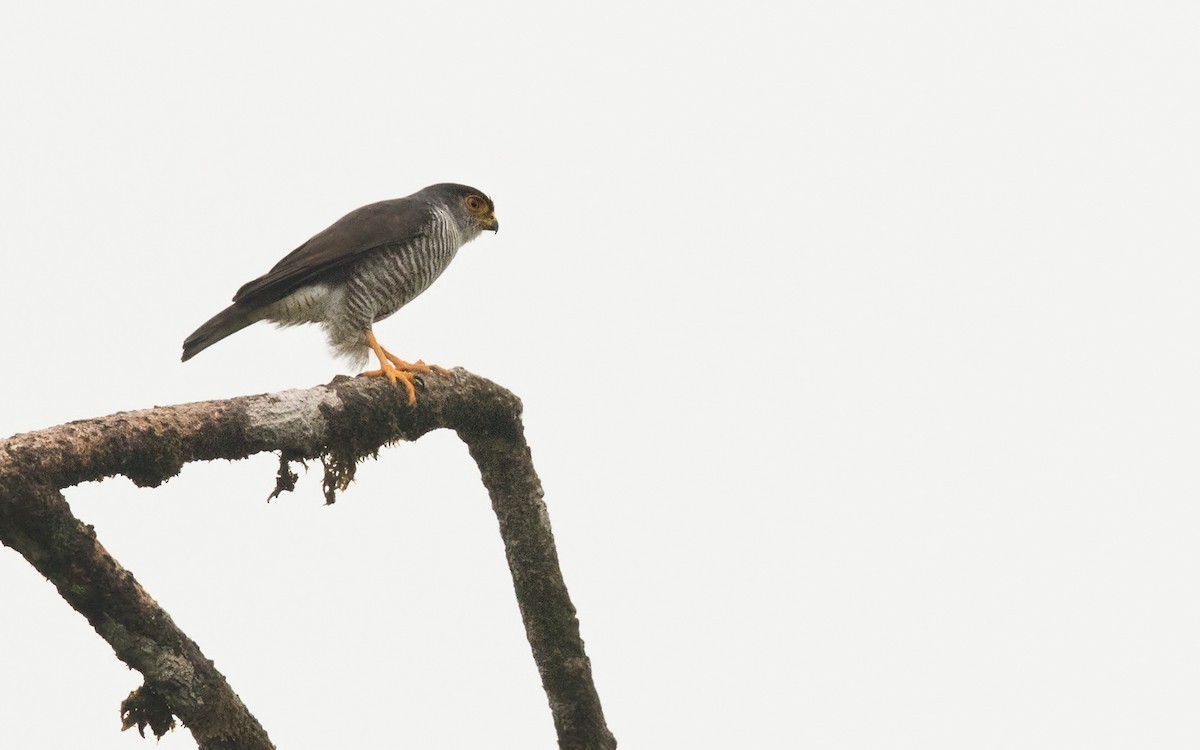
x,y
385,280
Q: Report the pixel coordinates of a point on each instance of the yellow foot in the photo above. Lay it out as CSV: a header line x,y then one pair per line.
x,y
396,369
418,366
395,375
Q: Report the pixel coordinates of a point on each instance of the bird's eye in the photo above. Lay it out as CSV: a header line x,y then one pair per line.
x,y
475,203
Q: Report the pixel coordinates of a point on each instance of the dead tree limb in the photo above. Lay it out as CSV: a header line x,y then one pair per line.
x,y
340,423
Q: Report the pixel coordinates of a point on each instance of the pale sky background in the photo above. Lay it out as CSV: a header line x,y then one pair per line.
x,y
857,342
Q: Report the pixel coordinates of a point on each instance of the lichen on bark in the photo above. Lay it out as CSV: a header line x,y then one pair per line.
x,y
341,423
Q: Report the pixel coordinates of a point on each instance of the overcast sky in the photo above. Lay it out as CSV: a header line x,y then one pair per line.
x,y
857,343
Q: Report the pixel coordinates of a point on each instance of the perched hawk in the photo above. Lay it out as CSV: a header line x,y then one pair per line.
x,y
368,265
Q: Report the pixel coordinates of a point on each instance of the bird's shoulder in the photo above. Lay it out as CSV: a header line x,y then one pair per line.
x,y
390,222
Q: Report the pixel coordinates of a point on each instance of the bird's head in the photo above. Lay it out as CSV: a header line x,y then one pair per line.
x,y
474,211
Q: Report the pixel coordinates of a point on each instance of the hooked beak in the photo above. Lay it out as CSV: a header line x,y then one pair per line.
x,y
492,224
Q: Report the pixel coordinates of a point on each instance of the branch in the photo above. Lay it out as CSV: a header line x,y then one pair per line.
x,y
340,423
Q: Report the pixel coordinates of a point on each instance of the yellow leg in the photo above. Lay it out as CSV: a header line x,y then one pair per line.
x,y
396,369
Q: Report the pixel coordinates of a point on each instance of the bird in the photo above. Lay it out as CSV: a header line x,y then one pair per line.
x,y
361,269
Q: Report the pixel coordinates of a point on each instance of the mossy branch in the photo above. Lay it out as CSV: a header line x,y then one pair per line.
x,y
340,424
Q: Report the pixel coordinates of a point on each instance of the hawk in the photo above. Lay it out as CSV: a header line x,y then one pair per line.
x,y
366,266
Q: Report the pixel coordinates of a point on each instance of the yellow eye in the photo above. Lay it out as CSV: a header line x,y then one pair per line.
x,y
475,203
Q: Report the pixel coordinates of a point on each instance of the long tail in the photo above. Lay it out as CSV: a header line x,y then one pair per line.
x,y
229,321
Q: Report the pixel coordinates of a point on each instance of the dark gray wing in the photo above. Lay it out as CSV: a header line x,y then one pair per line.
x,y
326,255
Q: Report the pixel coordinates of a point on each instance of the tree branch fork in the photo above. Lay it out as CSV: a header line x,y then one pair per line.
x,y
341,424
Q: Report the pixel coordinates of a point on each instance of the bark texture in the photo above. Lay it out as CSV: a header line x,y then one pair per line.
x,y
340,424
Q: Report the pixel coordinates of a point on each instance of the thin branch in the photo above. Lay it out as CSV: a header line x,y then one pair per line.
x,y
340,424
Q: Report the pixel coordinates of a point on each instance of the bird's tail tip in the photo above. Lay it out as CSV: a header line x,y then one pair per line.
x,y
194,345
229,321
